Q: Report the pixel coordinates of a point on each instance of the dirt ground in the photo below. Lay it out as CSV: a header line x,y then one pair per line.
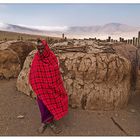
x,y
76,123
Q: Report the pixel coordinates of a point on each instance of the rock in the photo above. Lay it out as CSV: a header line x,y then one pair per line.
x,y
20,117
97,80
123,119
132,110
116,115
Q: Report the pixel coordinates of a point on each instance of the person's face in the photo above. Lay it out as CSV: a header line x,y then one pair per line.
x,y
40,47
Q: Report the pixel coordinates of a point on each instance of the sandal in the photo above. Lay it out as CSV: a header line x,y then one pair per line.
x,y
54,128
42,127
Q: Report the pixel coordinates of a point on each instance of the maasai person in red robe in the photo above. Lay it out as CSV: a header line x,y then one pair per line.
x,y
46,81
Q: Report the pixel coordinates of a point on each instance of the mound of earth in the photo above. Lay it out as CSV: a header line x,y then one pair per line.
x,y
12,57
9,64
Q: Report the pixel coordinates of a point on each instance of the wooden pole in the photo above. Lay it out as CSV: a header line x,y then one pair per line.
x,y
109,39
136,42
128,41
120,39
133,40
63,36
139,39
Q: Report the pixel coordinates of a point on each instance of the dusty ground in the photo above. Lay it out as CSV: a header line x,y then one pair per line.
x,y
76,123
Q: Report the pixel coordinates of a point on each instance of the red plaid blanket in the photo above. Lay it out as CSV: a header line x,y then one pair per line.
x,y
46,81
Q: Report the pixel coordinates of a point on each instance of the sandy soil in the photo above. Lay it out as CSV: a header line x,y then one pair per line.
x,y
76,123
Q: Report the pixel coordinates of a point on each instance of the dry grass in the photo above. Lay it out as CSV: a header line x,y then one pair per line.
x,y
5,36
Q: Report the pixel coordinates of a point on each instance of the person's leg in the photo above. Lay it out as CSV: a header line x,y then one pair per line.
x,y
46,116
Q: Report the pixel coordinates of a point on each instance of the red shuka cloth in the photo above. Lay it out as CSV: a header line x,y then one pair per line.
x,y
46,81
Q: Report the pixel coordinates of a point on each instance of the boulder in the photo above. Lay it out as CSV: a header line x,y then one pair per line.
x,y
95,80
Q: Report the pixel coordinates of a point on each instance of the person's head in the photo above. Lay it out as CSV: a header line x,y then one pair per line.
x,y
40,46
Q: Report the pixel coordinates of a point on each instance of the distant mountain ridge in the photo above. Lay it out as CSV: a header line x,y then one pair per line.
x,y
115,30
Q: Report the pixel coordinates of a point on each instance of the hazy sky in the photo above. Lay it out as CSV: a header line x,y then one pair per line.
x,y
69,14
